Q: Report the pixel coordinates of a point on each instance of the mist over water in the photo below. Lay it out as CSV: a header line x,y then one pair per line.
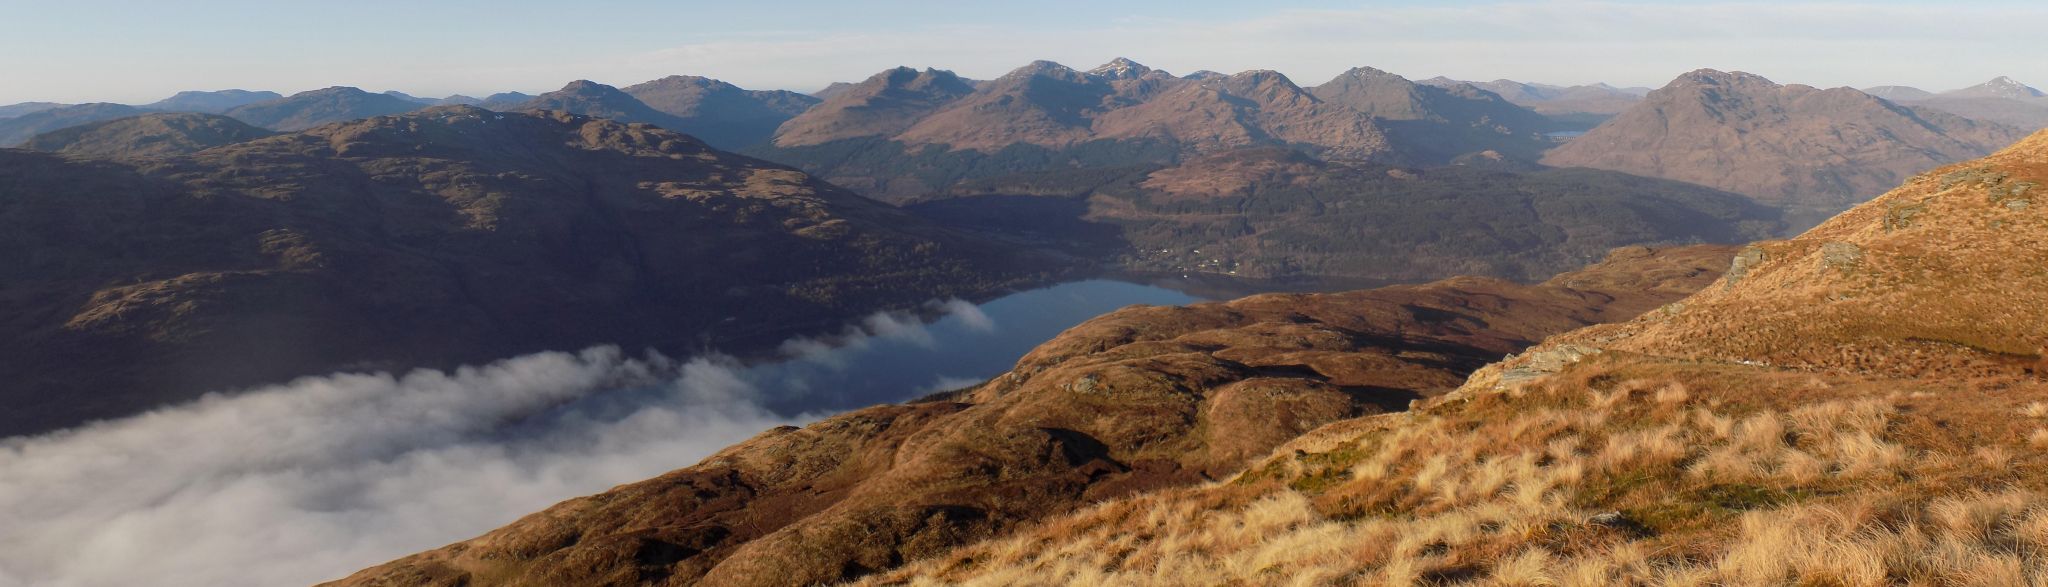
x,y
313,479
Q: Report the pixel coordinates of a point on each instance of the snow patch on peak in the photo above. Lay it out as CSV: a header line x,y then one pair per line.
x,y
1121,68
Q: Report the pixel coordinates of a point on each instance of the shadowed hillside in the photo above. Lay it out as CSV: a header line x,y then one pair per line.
x,y
1276,213
449,236
148,135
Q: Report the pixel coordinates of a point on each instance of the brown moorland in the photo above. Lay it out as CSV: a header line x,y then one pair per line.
x,y
1868,414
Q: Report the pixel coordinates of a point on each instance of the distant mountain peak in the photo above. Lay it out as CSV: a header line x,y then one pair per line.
x,y
694,80
1717,77
1042,68
1999,87
334,90
1898,93
1121,68
905,76
211,102
1371,73
584,85
1260,76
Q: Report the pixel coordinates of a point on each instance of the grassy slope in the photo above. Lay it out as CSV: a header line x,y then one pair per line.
x,y
1906,456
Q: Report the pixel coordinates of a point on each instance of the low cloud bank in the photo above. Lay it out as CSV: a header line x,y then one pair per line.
x,y
314,479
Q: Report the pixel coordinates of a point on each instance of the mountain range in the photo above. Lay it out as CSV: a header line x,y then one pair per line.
x,y
1053,106
432,238
906,133
2002,100
263,109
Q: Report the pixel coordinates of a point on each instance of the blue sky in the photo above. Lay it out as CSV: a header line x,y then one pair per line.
x,y
138,51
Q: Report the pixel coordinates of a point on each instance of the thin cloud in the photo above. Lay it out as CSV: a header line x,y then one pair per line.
x,y
314,479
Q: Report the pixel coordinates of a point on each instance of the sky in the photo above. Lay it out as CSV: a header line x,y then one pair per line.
x,y
137,51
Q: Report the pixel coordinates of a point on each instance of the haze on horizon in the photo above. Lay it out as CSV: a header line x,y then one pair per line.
x,y
135,52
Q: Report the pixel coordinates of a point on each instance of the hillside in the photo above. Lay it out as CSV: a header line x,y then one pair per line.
x,y
1893,439
1139,400
883,105
454,235
1933,279
724,115
148,135
1437,123
1245,109
13,110
1275,213
2023,113
504,101
13,131
1043,103
1819,151
309,109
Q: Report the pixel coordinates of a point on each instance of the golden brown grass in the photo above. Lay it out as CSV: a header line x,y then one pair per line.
x,y
1620,474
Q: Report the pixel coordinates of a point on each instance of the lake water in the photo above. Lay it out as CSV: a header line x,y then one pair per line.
x,y
891,358
960,349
